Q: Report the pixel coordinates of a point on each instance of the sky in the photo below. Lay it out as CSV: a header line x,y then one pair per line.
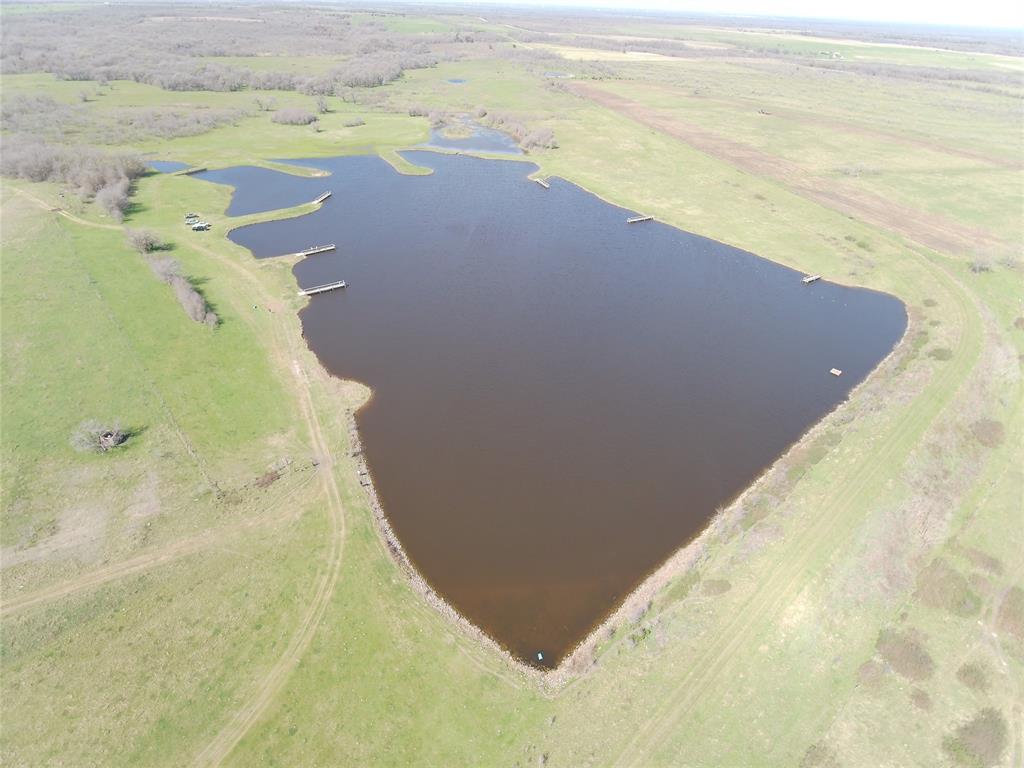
x,y
973,13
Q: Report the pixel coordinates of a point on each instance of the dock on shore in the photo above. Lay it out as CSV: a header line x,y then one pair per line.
x,y
322,197
188,171
811,278
316,249
638,219
543,183
322,288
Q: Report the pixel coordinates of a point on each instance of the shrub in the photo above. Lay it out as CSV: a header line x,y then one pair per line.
x,y
973,676
294,116
980,742
94,437
143,241
905,655
989,432
113,198
941,586
192,301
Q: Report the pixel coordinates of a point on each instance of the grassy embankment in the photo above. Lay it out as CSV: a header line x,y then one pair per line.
x,y
757,659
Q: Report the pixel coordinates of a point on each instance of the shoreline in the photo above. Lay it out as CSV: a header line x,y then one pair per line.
x,y
683,560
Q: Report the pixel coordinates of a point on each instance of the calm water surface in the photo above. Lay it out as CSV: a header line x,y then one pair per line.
x,y
481,140
561,400
166,166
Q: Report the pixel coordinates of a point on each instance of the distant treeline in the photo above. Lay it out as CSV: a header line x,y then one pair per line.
x,y
171,47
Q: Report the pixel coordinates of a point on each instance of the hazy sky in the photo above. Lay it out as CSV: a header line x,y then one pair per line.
x,y
975,13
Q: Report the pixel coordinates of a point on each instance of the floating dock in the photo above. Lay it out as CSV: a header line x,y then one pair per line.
x,y
835,372
638,219
322,288
189,171
316,249
543,183
811,278
322,197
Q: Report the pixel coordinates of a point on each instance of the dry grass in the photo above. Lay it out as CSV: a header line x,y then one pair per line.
x,y
713,587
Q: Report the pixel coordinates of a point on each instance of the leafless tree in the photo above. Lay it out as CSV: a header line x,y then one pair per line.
x,y
144,241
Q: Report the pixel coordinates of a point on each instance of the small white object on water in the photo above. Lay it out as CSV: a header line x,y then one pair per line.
x,y
836,372
540,656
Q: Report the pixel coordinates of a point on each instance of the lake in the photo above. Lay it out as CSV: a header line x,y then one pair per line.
x,y
560,399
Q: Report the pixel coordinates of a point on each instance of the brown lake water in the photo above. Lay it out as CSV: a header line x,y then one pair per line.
x,y
561,400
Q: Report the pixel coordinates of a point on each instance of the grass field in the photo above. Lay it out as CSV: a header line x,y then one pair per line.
x,y
217,591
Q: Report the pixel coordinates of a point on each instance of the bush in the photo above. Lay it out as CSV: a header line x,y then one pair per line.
x,y
195,306
294,116
94,437
905,655
980,742
113,198
143,240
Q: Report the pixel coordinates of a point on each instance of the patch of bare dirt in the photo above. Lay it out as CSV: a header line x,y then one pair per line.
x,y
925,228
79,532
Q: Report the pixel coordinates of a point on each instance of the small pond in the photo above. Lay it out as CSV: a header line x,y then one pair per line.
x,y
479,139
166,166
561,399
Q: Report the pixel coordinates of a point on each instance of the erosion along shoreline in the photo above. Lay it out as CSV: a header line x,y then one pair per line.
x,y
684,560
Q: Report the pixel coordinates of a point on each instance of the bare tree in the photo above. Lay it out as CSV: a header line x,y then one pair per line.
x,y
144,241
321,104
113,198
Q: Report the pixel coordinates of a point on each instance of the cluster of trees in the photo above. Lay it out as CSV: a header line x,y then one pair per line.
x,y
528,138
169,123
91,173
168,270
294,116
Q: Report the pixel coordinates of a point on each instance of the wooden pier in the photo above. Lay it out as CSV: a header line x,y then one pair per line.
x,y
316,249
322,197
811,278
188,171
638,219
543,183
322,288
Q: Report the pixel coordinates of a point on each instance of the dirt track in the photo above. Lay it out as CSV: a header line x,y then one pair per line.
x,y
285,352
